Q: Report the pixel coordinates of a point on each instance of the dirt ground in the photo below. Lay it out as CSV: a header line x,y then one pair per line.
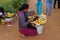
x,y
51,29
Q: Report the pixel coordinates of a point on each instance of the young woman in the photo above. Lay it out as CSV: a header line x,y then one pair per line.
x,y
49,6
24,22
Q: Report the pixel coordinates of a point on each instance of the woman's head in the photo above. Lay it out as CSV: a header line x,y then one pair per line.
x,y
1,10
24,7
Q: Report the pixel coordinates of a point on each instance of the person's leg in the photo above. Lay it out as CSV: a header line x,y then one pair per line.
x,y
54,3
28,32
37,8
47,6
46,9
58,3
40,8
50,10
51,6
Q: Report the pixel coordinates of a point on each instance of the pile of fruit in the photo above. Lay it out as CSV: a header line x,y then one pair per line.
x,y
9,15
41,20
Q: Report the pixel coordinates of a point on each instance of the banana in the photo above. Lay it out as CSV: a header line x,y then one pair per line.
x,y
38,21
43,22
10,14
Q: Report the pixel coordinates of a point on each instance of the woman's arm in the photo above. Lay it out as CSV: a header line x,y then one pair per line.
x,y
22,20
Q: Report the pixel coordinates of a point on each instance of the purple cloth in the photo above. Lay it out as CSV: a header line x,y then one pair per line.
x,y
28,32
19,12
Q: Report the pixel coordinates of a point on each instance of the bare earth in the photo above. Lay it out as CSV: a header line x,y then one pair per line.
x,y
51,29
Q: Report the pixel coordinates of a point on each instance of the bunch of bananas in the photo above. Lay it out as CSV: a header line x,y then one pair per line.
x,y
9,14
37,22
41,20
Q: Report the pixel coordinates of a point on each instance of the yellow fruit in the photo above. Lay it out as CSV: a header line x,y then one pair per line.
x,y
45,21
3,21
38,21
42,22
9,14
12,14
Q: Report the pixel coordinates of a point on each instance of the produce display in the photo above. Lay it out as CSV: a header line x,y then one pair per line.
x,y
41,20
9,14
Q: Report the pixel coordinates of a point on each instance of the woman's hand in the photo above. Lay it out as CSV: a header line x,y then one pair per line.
x,y
30,20
33,25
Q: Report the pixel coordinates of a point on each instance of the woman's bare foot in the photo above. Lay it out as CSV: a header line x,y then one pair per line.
x,y
23,36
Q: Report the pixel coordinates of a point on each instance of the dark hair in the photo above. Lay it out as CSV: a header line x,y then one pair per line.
x,y
1,9
24,6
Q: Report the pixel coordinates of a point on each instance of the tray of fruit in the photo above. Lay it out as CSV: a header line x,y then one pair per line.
x,y
40,20
9,15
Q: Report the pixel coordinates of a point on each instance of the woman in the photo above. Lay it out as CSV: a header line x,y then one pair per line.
x,y
49,6
24,22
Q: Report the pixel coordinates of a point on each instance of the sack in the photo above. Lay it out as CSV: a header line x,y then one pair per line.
x,y
40,29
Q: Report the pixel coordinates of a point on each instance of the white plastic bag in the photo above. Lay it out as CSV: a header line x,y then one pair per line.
x,y
40,29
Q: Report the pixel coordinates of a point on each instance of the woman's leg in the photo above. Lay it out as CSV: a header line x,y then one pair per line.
x,y
46,10
37,8
47,6
54,3
51,6
50,9
40,8
28,32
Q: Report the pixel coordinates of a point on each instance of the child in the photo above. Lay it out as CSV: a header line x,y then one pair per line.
x,y
1,13
39,7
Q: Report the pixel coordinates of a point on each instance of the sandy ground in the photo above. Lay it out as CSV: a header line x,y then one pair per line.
x,y
51,29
